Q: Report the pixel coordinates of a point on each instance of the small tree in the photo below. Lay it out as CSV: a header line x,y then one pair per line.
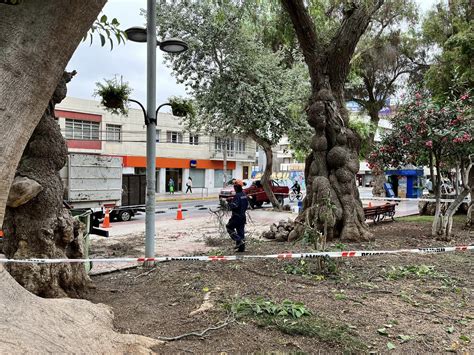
x,y
440,135
240,87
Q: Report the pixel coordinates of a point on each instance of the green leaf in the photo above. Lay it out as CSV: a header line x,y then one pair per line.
x,y
391,346
103,19
382,331
404,338
283,313
115,22
102,39
205,289
465,338
450,330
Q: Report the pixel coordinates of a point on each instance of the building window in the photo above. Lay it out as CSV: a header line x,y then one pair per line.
x,y
229,144
85,130
240,145
158,135
113,132
193,139
174,137
218,144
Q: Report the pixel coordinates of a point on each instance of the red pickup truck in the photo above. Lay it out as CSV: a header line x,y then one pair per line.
x,y
255,193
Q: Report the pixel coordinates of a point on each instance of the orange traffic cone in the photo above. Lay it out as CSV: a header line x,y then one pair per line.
x,y
179,215
370,204
106,223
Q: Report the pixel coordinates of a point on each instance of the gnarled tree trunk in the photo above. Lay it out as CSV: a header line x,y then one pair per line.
x,y
267,173
332,200
38,225
37,39
378,179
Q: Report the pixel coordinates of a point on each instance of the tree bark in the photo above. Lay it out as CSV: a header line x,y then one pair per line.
x,y
378,179
470,212
267,173
332,199
437,190
446,219
37,39
41,227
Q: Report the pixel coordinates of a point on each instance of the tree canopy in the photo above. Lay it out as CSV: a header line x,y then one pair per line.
x,y
449,28
423,127
240,86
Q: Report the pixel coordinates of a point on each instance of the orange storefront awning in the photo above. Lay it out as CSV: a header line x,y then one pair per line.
x,y
176,163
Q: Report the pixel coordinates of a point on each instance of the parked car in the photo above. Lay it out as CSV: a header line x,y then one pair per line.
x,y
255,193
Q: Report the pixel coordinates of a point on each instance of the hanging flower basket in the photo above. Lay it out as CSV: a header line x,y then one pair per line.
x,y
114,95
181,107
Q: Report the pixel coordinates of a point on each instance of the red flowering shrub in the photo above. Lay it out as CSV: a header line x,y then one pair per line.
x,y
422,128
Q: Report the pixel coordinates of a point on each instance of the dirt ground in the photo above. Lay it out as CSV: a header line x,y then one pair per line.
x,y
400,303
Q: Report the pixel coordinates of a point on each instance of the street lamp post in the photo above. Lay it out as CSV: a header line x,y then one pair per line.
x,y
148,35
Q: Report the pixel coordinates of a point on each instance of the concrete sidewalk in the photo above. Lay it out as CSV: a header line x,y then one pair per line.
x,y
181,196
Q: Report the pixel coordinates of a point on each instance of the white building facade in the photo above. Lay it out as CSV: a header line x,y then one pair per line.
x,y
180,154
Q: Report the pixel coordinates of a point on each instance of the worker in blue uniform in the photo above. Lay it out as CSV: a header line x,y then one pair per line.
x,y
236,225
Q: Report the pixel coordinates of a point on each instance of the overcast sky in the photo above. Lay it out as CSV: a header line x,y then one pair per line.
x,y
94,63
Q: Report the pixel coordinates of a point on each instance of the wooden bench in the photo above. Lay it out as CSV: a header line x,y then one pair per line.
x,y
378,213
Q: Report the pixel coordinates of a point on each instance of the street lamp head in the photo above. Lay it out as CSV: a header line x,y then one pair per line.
x,y
173,45
136,34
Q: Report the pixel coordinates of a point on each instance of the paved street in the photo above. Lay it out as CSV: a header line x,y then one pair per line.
x,y
198,208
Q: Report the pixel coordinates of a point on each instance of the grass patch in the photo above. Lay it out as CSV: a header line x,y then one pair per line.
x,y
413,271
303,268
294,318
317,270
316,327
215,252
260,306
429,219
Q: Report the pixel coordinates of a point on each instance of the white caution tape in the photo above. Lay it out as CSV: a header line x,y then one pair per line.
x,y
331,254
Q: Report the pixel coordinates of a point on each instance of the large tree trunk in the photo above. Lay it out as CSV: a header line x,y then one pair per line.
x,y
332,200
37,39
38,225
266,178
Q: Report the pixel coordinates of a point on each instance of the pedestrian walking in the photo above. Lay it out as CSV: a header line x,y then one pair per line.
x,y
189,185
171,186
236,225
